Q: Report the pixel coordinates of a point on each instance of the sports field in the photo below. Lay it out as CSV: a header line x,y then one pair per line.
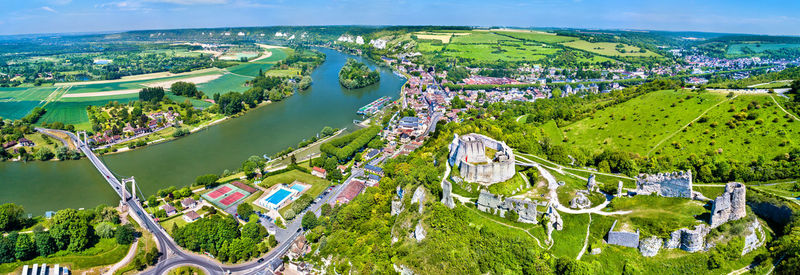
x,y
224,196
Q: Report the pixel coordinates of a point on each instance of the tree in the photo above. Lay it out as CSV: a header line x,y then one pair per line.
x,y
6,250
309,221
44,243
511,215
208,180
326,209
254,230
152,201
153,95
105,230
244,210
184,88
10,216
25,248
125,234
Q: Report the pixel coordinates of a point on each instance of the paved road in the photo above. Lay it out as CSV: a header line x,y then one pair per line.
x,y
171,254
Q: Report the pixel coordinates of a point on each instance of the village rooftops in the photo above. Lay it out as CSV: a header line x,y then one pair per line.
x,y
350,191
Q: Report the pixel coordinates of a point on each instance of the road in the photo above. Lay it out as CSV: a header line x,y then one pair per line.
x,y
171,254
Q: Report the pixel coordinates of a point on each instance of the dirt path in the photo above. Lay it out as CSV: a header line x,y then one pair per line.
x,y
782,109
687,125
585,241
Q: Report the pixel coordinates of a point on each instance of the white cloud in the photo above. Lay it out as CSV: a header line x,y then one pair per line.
x,y
59,2
48,9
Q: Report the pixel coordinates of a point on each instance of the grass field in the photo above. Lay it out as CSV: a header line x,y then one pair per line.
x,y
737,49
283,73
538,36
640,123
507,51
756,128
480,38
510,187
568,242
659,216
608,49
15,103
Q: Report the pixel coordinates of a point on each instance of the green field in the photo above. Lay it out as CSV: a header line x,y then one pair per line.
x,y
226,83
757,128
480,38
640,123
105,252
608,49
538,36
737,49
15,103
658,216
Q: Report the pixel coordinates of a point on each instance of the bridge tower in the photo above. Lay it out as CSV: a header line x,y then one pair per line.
x,y
133,186
85,136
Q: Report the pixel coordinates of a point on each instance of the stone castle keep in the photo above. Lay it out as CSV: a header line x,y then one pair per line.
x,y
675,184
468,154
729,206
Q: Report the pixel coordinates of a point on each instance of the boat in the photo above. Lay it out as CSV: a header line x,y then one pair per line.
x,y
374,106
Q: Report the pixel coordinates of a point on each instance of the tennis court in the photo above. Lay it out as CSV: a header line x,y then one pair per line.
x,y
226,195
227,201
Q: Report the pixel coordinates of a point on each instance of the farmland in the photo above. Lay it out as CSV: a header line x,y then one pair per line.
x,y
71,109
609,49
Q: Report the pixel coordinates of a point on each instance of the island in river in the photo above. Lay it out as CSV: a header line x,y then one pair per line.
x,y
355,74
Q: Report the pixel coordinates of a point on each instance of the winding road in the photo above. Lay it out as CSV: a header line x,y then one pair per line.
x,y
172,255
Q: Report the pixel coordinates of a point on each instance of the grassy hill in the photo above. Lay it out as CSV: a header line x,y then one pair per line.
x,y
679,124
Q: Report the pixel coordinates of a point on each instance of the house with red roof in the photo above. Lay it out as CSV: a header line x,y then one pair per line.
x,y
319,172
350,192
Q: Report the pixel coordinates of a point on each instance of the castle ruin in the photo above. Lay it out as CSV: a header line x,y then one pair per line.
x,y
491,203
675,184
729,206
627,239
469,154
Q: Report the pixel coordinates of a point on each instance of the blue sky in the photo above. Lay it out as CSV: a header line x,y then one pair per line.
x,y
734,16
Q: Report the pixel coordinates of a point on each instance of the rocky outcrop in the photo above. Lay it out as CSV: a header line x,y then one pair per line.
x,y
591,184
554,219
397,207
419,197
675,184
495,204
403,270
729,206
580,201
752,241
649,246
447,197
419,232
619,189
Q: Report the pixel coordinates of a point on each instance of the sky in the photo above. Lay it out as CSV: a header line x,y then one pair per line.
x,y
729,16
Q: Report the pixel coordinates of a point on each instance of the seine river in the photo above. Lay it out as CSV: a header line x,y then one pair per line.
x,y
43,186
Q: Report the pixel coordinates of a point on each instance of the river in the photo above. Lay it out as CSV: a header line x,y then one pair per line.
x,y
43,186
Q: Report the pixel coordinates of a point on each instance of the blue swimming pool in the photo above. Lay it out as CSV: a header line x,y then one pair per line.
x,y
298,187
278,197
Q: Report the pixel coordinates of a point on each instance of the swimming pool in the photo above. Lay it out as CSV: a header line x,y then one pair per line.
x,y
275,200
298,188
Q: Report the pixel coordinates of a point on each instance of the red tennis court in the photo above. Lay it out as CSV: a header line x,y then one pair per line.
x,y
219,192
231,198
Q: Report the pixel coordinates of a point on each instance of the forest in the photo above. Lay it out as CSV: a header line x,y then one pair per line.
x,y
356,75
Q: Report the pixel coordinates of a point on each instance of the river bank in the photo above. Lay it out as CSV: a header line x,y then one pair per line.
x,y
264,130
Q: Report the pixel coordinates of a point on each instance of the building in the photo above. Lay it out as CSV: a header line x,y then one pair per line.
x,y
627,239
188,203
373,180
675,184
26,142
409,123
350,191
374,169
191,216
319,172
169,209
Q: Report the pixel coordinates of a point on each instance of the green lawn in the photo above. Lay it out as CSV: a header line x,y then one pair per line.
x,y
510,187
317,184
538,36
568,242
176,219
105,252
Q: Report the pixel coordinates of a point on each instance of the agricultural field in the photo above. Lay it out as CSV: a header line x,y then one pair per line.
x,y
743,48
640,123
15,103
506,51
608,49
542,37
480,38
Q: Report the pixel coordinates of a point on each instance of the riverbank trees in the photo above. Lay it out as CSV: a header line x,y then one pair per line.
x,y
223,238
356,74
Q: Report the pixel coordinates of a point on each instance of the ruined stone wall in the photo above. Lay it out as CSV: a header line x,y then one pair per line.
x,y
468,150
675,184
688,240
729,206
491,203
628,239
